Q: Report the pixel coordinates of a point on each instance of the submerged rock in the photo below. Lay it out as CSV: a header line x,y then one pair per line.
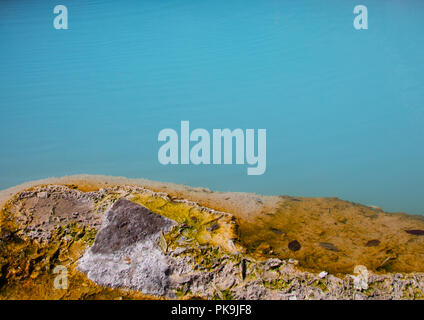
x,y
276,231
373,243
415,232
294,245
328,246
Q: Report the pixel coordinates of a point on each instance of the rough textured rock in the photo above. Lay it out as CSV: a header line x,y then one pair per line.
x,y
128,223
126,253
174,249
360,280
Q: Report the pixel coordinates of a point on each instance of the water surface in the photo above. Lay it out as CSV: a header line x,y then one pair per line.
x,y
343,108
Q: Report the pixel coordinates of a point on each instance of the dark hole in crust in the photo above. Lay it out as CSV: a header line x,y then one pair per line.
x,y
294,245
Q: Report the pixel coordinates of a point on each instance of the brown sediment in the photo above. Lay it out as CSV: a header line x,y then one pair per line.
x,y
335,236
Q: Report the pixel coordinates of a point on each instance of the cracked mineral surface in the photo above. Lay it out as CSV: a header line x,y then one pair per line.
x,y
122,240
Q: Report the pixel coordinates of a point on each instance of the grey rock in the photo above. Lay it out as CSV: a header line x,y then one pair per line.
x,y
128,223
273,263
270,275
125,251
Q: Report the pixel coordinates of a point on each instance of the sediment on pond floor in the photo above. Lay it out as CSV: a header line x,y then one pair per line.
x,y
56,222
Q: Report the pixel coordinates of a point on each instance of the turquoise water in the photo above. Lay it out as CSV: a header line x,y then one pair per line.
x,y
343,108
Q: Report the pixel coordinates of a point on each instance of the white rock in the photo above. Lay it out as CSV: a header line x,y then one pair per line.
x,y
42,195
323,274
360,281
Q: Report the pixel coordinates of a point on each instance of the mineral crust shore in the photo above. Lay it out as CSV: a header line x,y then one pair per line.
x,y
128,241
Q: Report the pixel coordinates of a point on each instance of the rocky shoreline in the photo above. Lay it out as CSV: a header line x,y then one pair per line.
x,y
130,242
